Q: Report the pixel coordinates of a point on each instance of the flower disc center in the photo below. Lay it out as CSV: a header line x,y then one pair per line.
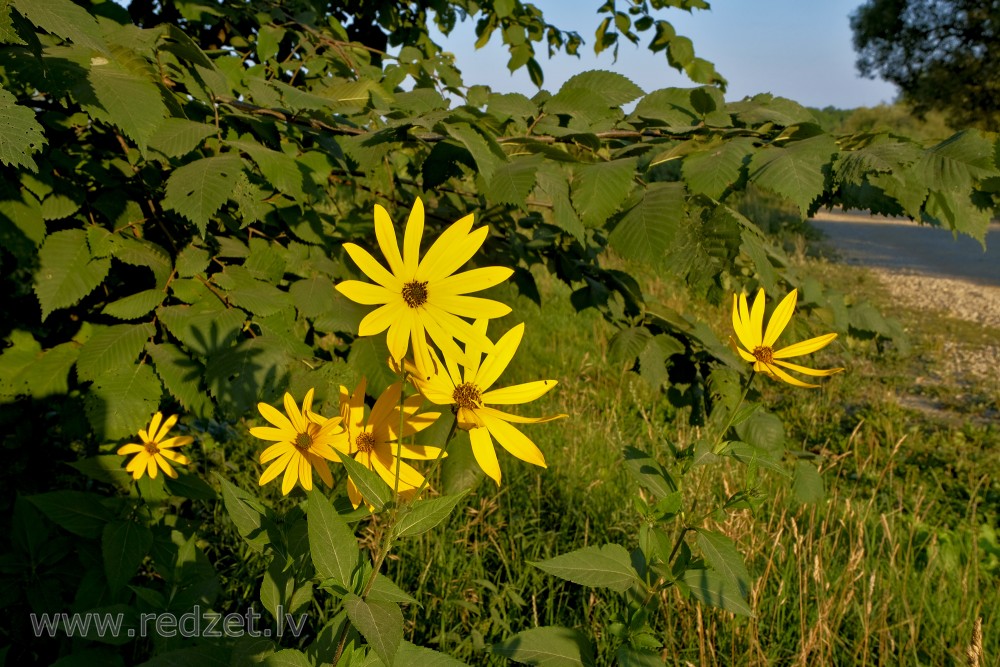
x,y
765,355
415,293
151,447
303,440
466,395
365,442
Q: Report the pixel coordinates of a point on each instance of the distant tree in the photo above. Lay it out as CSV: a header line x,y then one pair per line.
x,y
943,54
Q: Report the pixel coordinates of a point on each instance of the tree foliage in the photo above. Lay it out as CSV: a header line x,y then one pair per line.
x,y
942,55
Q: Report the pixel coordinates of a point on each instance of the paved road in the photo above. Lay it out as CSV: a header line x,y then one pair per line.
x,y
902,245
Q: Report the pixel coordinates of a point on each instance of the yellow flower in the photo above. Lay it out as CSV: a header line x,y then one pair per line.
x,y
469,395
154,450
373,442
758,343
417,298
303,440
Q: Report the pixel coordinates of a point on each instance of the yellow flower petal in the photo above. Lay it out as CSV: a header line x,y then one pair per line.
x,y
753,339
486,455
804,347
817,372
757,319
449,257
384,406
379,319
274,451
366,293
130,449
514,441
473,280
154,425
780,318
176,441
292,410
470,306
371,268
496,362
408,475
276,468
271,433
272,415
517,419
151,467
443,248
785,377
518,393
322,469
738,324
385,234
176,457
420,452
167,425
291,474
411,240
469,419
305,473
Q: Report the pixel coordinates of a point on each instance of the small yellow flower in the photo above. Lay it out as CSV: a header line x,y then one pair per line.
x,y
758,343
154,450
374,442
424,297
469,395
304,440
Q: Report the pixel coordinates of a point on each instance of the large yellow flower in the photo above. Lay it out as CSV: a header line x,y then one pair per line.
x,y
154,450
758,343
470,393
304,440
417,298
374,442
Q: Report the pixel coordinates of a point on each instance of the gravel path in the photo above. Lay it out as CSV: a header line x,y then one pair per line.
x,y
926,268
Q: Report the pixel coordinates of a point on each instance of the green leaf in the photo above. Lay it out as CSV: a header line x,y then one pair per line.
x,y
653,359
124,545
125,95
420,656
795,172
136,305
205,328
600,189
712,171
373,488
288,657
609,566
512,182
140,252
627,343
613,88
66,271
423,515
181,376
334,549
380,623
112,348
252,520
199,188
763,430
386,591
240,377
711,588
20,135
80,513
121,400
245,291
105,468
956,161
486,153
645,232
649,473
722,555
176,137
280,170
25,369
190,485
21,219
64,19
548,646
192,260
807,483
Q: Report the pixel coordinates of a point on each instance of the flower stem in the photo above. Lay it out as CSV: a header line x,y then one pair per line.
x,y
732,414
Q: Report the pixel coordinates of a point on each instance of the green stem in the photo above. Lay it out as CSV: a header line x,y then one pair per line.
x,y
732,414
437,460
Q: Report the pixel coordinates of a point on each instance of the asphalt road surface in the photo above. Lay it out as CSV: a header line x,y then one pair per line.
x,y
903,245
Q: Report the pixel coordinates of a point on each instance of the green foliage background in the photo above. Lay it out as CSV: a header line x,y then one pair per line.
x,y
178,183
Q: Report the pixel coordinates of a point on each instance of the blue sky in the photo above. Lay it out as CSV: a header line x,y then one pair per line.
x,y
793,48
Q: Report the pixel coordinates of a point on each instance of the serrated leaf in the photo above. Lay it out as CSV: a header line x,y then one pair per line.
x,y
386,591
486,153
766,108
714,170
122,93
649,473
198,189
627,343
105,468
312,296
372,487
613,88
334,549
112,348
646,231
181,376
279,169
64,19
190,485
600,189
245,291
548,646
250,517
426,514
609,566
191,261
205,328
421,656
711,588
241,376
512,182
794,172
956,161
134,306
380,623
25,216
140,252
722,554
121,401
763,430
80,513
124,544
20,134
807,483
288,657
48,373
66,271
177,137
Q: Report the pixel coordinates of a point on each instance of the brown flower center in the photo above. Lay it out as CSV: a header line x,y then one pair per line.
x,y
303,441
466,395
415,293
765,355
151,447
365,442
